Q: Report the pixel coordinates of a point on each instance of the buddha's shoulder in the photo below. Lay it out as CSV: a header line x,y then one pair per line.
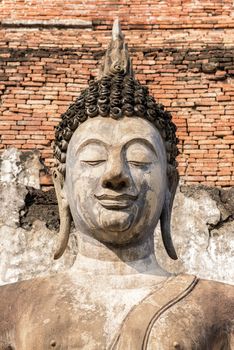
x,y
57,278
191,289
36,289
208,296
201,317
213,294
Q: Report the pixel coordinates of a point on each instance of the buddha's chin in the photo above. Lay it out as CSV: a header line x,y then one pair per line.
x,y
117,221
115,225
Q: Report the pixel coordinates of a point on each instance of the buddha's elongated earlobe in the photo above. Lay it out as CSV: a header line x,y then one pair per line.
x,y
64,214
165,219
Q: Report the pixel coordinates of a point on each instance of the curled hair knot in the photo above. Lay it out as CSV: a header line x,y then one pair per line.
x,y
114,95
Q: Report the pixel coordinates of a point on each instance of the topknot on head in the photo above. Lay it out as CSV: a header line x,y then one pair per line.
x,y
116,59
115,94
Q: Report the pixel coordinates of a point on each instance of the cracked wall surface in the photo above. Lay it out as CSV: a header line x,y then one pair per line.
x,y
203,232
181,50
202,226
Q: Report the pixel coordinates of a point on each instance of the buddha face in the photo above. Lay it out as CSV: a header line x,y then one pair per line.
x,y
116,178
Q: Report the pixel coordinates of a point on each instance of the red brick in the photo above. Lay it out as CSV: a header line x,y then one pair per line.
x,y
8,137
222,98
46,180
39,89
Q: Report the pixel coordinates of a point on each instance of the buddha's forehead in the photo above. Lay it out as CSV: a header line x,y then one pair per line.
x,y
115,132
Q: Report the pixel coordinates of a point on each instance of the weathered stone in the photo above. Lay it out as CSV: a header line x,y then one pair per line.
x,y
11,203
30,217
227,197
59,23
26,254
219,76
195,214
209,67
118,183
21,240
20,168
40,205
17,170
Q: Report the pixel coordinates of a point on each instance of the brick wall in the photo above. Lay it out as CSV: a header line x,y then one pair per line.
x,y
182,50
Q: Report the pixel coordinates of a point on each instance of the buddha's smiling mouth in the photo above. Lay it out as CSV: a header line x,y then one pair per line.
x,y
116,202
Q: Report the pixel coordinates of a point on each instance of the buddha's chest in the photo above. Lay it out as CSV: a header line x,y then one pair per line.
x,y
77,320
74,318
65,334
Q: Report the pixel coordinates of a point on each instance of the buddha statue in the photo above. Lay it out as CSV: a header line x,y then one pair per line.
x,y
116,178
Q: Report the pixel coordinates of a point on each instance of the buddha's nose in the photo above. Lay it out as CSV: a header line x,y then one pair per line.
x,y
116,176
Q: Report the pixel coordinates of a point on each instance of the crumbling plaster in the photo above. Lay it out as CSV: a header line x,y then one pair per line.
x,y
202,226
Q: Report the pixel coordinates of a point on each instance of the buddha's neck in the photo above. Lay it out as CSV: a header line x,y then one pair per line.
x,y
97,258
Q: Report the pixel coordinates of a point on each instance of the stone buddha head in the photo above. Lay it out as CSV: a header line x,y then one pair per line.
x,y
116,148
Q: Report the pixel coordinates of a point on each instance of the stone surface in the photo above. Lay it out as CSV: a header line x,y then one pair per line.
x,y
202,227
26,250
77,23
203,235
18,170
172,44
119,181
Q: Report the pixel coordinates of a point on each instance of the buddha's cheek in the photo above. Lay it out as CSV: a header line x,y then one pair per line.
x,y
155,183
85,186
81,200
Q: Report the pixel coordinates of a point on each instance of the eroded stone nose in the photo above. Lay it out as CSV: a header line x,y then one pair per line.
x,y
115,183
116,176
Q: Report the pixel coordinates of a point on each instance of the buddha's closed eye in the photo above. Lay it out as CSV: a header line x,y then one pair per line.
x,y
135,154
139,155
93,154
139,164
93,162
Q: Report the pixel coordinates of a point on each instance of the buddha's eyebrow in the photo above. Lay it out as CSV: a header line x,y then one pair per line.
x,y
92,142
142,141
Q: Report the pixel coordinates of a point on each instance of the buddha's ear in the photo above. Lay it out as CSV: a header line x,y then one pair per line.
x,y
64,213
165,218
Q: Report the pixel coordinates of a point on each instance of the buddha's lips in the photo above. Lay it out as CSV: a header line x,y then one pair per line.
x,y
121,201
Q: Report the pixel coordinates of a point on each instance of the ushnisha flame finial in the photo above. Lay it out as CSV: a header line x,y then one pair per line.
x,y
116,30
116,59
